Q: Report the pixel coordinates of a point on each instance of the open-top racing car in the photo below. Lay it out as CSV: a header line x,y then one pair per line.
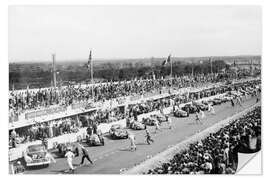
x,y
161,118
118,132
215,101
95,139
137,125
149,121
200,105
180,113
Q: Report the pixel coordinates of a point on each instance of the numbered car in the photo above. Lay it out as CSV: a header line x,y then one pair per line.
x,y
118,132
36,155
180,113
95,139
136,125
190,108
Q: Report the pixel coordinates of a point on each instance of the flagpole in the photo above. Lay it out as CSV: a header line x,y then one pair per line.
x,y
211,65
54,73
91,74
171,65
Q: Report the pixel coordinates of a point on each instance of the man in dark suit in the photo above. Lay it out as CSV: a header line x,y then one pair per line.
x,y
85,154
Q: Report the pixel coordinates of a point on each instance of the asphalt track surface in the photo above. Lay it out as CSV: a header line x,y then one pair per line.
x,y
116,154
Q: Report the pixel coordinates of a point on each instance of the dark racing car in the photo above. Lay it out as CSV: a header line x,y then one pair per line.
x,y
190,108
118,132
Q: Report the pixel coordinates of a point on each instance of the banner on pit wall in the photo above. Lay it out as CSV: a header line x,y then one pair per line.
x,y
45,112
151,94
79,105
135,98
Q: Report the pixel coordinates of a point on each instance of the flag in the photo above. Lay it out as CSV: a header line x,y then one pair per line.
x,y
168,60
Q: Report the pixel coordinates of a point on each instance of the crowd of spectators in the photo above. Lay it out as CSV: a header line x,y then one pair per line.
x,y
20,101
218,152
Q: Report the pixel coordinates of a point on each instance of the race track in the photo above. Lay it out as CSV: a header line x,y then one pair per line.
x,y
116,155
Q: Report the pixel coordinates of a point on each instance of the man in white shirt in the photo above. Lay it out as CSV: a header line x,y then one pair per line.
x,y
132,141
69,155
169,121
211,109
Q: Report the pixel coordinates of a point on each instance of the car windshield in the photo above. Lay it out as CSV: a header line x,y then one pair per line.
x,y
36,148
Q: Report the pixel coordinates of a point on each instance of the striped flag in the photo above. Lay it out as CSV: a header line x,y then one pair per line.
x,y
168,60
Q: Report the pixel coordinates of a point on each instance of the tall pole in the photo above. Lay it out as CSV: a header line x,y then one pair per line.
x,y
211,65
90,61
171,65
192,69
54,71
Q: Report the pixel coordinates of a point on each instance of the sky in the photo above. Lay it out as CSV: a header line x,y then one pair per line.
x,y
35,32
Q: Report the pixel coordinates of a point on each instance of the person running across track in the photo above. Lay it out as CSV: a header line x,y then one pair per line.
x,y
85,155
132,141
169,121
148,137
211,109
197,118
202,114
232,103
69,155
157,126
239,101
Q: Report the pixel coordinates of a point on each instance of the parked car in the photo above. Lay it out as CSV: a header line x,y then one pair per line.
x,y
190,108
161,118
137,125
200,105
180,113
36,155
149,121
95,139
118,132
215,101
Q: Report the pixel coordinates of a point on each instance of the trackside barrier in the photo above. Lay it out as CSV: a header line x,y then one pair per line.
x,y
168,154
16,153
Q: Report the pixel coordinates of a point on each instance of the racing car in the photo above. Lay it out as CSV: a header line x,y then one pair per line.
x,y
161,118
149,121
36,155
190,108
215,101
95,140
180,113
63,147
118,132
200,105
137,125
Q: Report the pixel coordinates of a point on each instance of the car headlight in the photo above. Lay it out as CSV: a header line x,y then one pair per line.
x,y
28,159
